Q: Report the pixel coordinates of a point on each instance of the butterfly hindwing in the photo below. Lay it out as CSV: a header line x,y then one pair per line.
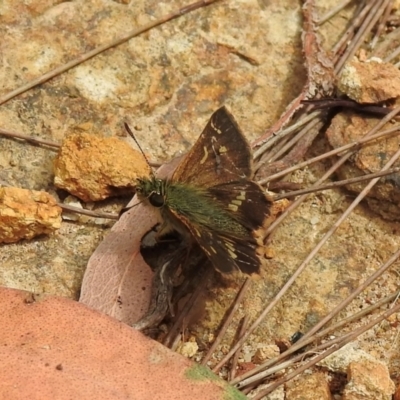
x,y
221,154
223,222
244,200
228,253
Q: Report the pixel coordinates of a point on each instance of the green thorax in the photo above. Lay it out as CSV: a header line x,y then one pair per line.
x,y
194,205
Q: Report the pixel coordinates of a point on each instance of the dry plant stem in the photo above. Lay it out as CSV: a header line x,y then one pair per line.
x,y
283,120
228,320
353,295
382,23
262,372
392,55
296,372
33,140
284,132
336,344
331,170
333,11
335,227
84,57
356,292
389,40
319,245
268,156
310,45
320,75
341,149
298,201
295,105
90,213
311,130
176,341
248,389
323,241
243,327
336,184
369,22
360,14
38,141
298,152
270,143
178,323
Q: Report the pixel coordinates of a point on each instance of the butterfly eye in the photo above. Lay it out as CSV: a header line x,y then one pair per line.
x,y
156,199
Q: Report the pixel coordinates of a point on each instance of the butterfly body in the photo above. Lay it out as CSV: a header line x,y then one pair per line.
x,y
211,198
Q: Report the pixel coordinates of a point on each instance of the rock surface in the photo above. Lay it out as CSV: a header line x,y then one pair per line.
x,y
94,168
368,381
25,214
370,81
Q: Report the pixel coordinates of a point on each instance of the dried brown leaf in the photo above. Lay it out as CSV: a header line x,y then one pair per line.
x,y
117,281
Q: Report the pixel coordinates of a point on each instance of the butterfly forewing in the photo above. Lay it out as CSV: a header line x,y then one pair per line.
x,y
221,154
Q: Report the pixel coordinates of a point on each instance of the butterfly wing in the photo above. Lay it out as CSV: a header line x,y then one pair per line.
x,y
221,153
212,195
222,220
228,254
245,202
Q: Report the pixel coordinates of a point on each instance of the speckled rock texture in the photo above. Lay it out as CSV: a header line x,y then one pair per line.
x,y
94,168
349,127
25,214
370,81
166,83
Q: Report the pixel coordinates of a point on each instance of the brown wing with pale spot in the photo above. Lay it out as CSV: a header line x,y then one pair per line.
x,y
228,254
229,243
220,155
245,201
220,164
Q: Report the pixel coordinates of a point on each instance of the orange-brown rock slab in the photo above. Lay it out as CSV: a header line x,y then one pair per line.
x,y
25,214
370,82
55,348
368,380
309,387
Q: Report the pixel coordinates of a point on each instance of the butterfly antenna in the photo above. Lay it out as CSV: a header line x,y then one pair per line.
x,y
129,130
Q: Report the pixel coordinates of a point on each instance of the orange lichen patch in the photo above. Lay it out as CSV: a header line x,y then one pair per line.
x,y
62,349
25,214
94,168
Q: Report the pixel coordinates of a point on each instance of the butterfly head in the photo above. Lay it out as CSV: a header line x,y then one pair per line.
x,y
152,189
